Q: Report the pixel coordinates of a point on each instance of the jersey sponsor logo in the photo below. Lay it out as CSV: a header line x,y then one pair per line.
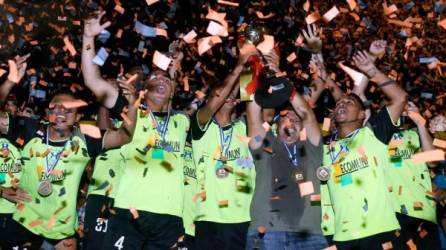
x,y
10,167
53,178
405,153
233,154
174,144
190,172
353,166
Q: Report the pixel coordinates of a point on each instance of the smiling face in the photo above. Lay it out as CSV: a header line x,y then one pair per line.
x,y
348,110
160,88
61,118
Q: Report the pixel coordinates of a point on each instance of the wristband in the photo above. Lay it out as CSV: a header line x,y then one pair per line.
x,y
382,85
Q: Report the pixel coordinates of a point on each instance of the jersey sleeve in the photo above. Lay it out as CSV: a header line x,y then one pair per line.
x,y
120,104
95,145
197,130
382,125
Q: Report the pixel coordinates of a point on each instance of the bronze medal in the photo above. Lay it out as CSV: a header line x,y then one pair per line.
x,y
45,188
323,173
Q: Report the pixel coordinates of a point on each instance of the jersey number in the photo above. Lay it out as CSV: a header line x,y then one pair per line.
x,y
101,225
120,243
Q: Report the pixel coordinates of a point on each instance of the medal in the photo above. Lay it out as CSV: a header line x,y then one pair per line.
x,y
221,173
45,188
323,173
161,128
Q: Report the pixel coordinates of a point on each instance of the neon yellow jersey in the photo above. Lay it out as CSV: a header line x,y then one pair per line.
x,y
361,203
106,174
409,184
53,216
10,171
190,180
327,221
153,177
226,187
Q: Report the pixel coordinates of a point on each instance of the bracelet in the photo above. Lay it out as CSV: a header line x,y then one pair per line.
x,y
382,85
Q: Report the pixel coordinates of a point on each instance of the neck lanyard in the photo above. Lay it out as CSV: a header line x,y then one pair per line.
x,y
344,147
225,140
161,127
292,156
54,158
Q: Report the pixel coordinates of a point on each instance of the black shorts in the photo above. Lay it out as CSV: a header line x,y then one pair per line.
x,y
14,236
215,236
149,231
96,221
374,242
424,234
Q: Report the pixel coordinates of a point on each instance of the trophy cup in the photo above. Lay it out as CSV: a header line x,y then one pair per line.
x,y
257,81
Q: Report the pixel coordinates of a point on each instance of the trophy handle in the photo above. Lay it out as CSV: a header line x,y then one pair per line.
x,y
257,69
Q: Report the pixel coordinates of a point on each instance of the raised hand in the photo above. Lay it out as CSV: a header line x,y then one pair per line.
x,y
17,68
177,56
272,60
245,52
317,68
364,62
93,25
377,48
16,195
314,42
128,89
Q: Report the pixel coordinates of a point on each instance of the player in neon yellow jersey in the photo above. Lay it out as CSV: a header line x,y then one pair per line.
x,y
10,164
225,172
55,156
355,158
149,199
410,184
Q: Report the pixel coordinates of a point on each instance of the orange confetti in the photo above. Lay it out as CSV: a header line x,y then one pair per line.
x,y
266,126
331,14
291,57
411,245
150,2
326,124
161,61
190,37
20,141
315,197
306,6
228,3
216,29
352,4
161,32
439,143
69,46
35,223
200,94
388,245
442,24
90,130
134,212
312,18
306,188
428,156
119,9
261,229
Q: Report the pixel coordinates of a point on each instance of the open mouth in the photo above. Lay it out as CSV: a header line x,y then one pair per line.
x,y
61,119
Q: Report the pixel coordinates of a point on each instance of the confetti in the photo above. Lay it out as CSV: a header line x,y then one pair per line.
x,y
306,188
190,37
90,130
331,14
428,156
326,124
228,3
266,45
100,57
387,246
161,61
69,46
312,18
216,29
439,143
150,2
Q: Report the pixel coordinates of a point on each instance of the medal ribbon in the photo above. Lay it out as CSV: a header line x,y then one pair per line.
x,y
161,127
292,156
52,163
344,146
225,139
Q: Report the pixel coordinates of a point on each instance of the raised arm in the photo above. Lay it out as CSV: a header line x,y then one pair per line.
x,y
398,97
308,118
90,71
425,137
255,125
219,95
103,121
17,69
115,138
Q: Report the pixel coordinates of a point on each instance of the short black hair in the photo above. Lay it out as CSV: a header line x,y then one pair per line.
x,y
357,99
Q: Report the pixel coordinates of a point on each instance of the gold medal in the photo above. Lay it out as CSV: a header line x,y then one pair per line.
x,y
45,188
